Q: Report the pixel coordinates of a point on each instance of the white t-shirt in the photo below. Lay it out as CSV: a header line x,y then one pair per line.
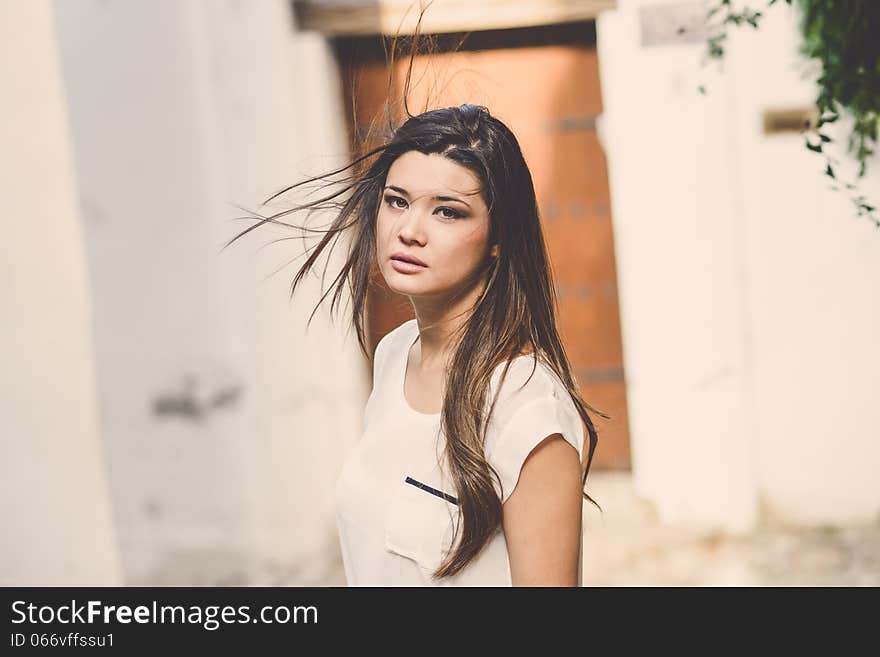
x,y
395,503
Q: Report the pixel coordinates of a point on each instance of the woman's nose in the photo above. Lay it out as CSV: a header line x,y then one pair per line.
x,y
412,220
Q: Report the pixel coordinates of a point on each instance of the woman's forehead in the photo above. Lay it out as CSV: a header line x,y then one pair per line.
x,y
431,175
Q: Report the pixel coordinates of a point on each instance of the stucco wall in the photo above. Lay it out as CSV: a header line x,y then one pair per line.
x,y
225,421
54,501
747,287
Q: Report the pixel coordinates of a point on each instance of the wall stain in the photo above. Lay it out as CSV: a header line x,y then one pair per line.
x,y
191,403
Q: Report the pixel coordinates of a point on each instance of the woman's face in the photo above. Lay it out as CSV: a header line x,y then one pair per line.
x,y
431,209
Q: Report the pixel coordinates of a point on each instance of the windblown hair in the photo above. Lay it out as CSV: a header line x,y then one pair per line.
x,y
516,314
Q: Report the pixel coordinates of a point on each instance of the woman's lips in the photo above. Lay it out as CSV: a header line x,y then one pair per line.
x,y
405,267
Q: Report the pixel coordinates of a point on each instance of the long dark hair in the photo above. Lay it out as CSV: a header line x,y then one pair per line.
x,y
516,313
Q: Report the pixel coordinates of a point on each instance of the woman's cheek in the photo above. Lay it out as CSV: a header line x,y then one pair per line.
x,y
383,233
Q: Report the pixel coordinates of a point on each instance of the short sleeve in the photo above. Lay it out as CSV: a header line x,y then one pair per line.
x,y
530,407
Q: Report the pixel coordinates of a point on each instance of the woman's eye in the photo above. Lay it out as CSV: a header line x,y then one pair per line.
x,y
453,213
399,203
392,200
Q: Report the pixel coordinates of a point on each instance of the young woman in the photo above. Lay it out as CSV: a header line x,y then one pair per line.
x,y
473,458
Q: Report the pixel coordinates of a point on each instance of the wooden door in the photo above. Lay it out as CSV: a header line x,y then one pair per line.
x,y
543,82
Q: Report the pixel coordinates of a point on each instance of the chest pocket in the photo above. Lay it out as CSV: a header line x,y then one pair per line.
x,y
420,523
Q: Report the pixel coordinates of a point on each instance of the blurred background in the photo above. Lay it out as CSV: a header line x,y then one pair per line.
x,y
171,417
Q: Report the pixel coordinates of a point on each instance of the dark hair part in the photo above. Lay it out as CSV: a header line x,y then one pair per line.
x,y
515,314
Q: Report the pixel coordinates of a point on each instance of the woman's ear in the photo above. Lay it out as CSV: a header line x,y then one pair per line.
x,y
493,252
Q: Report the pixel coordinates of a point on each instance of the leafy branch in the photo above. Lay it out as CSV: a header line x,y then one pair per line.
x,y
842,38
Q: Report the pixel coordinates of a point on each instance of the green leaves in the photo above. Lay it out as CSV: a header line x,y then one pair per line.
x,y
842,38
831,118
745,16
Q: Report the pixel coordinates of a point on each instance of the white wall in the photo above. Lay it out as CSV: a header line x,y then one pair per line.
x,y
54,503
178,111
746,287
813,271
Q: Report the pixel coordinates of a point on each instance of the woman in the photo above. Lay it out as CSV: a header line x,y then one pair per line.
x,y
471,467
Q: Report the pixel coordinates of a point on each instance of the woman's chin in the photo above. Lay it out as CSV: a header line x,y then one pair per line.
x,y
404,283
401,284
404,287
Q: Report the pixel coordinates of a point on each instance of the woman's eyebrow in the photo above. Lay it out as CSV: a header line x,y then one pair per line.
x,y
401,190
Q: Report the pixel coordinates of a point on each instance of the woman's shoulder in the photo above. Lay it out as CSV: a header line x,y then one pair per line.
x,y
405,327
531,404
527,377
393,339
530,389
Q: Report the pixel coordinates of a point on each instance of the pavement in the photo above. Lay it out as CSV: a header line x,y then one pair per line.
x,y
627,546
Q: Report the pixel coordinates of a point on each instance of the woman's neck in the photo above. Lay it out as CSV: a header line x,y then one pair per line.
x,y
440,322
